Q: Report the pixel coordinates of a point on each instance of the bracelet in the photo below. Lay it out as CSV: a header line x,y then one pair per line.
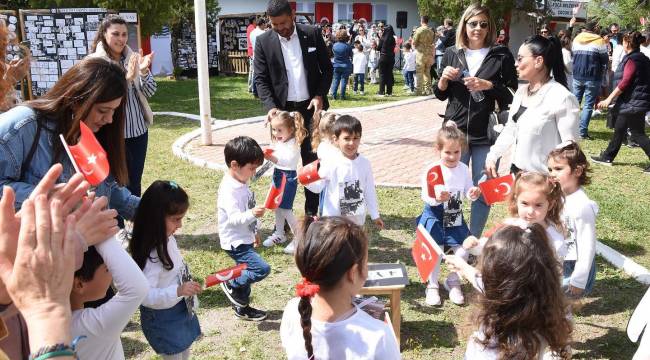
x,y
57,350
54,354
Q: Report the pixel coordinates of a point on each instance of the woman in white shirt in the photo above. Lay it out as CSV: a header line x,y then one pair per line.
x,y
543,114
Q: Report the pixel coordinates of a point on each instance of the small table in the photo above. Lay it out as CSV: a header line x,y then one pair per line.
x,y
394,292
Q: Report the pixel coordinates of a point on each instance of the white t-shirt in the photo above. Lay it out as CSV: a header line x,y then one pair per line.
x,y
458,181
580,217
237,224
359,62
358,337
287,153
409,61
103,325
475,58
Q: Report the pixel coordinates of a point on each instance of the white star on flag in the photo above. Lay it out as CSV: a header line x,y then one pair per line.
x,y
92,159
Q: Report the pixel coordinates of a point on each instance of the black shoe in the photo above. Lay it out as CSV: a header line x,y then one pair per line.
x,y
586,137
249,313
601,160
647,170
233,295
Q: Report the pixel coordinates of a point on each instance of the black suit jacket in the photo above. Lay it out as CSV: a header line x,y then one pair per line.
x,y
271,74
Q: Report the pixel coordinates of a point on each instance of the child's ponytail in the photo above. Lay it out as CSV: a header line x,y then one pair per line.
x,y
299,127
321,127
306,290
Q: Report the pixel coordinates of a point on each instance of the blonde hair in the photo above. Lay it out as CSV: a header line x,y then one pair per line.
x,y
449,132
462,42
294,121
322,128
551,189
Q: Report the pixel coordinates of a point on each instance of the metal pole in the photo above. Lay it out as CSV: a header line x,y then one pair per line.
x,y
202,70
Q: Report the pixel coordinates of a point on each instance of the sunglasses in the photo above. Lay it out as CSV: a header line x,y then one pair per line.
x,y
476,24
544,31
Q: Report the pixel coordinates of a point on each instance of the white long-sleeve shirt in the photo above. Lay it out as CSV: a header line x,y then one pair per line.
x,y
409,60
349,188
237,224
551,117
580,217
458,181
359,62
163,283
287,153
102,326
326,151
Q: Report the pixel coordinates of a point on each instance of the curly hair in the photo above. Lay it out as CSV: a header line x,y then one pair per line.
x,y
575,158
295,122
342,35
547,185
322,128
522,308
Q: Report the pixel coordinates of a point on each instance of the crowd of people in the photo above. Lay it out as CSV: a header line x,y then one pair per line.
x,y
59,252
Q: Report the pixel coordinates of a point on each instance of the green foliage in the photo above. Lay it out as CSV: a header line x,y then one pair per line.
x,y
438,10
623,12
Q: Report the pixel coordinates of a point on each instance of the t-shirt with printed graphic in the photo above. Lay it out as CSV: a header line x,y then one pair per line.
x,y
458,182
579,215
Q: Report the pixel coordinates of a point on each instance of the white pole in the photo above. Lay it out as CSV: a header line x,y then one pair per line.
x,y
202,70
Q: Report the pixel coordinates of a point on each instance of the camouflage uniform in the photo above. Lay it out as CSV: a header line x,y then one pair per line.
x,y
423,43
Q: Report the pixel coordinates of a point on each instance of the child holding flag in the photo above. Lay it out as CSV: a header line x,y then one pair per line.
x,y
444,184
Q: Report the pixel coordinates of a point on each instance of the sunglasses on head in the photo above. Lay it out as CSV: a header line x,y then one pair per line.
x,y
475,24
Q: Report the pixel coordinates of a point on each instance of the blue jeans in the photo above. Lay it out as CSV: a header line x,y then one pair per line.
x,y
410,79
340,77
568,268
590,89
359,79
480,210
256,268
136,153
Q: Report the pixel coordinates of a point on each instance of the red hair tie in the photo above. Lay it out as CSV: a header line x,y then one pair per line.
x,y
306,288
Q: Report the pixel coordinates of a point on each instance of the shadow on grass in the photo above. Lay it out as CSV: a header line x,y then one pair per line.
x,y
612,295
272,322
613,345
626,247
133,347
428,334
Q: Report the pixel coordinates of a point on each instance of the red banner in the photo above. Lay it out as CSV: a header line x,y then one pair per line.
x,y
362,11
324,11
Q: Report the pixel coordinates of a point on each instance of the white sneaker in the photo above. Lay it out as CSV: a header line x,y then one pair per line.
x,y
291,248
362,93
274,239
596,112
433,296
455,293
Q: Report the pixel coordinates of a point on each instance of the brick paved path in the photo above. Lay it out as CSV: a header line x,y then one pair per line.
x,y
398,140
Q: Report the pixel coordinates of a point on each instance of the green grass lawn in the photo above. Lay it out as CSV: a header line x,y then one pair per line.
x,y
427,332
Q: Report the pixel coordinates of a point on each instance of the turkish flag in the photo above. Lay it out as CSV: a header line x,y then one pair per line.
x,y
268,151
434,177
324,11
274,197
362,11
88,156
497,189
220,276
426,253
493,229
308,174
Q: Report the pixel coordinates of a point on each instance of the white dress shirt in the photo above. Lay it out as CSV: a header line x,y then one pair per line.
x,y
292,54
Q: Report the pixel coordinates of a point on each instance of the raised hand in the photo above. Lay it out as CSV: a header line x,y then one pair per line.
x,y
144,62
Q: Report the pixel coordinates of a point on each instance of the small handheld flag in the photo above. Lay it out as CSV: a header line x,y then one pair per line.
x,y
274,197
309,173
497,189
268,151
434,177
88,157
220,276
426,253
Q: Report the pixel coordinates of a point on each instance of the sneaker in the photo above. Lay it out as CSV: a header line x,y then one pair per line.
x,y
647,170
596,112
233,295
249,313
406,87
362,93
274,240
432,297
586,137
455,293
290,249
631,144
601,160
356,92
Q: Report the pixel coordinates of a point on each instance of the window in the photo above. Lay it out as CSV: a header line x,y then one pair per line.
x,y
380,13
345,13
307,7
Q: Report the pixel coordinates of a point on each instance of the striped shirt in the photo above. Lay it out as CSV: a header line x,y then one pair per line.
x,y
135,124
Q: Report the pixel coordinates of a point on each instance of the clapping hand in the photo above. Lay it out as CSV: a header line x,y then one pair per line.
x,y
144,62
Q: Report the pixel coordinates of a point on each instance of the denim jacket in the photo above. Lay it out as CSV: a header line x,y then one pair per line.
x,y
18,128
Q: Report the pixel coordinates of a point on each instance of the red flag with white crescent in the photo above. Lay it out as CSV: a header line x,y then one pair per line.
x,y
426,253
309,173
434,177
220,276
88,156
274,197
497,189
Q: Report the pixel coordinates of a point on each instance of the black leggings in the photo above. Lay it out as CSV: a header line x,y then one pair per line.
x,y
386,79
636,124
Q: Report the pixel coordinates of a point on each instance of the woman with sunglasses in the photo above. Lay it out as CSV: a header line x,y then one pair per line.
x,y
476,74
543,114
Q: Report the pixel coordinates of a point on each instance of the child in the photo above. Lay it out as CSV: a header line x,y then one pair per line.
x,y
569,165
237,215
332,257
322,136
287,132
373,62
442,215
347,180
102,264
522,310
167,313
409,67
359,65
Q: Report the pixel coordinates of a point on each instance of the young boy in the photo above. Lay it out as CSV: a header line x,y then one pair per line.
x,y
347,180
359,65
237,215
409,67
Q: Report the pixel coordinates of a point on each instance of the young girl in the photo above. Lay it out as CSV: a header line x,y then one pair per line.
x,y
522,309
332,257
373,62
359,65
569,165
442,215
167,313
287,132
322,137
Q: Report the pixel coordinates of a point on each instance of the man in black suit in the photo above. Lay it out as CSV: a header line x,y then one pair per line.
x,y
293,73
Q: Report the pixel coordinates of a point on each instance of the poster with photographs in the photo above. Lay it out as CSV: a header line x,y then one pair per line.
x,y
186,47
233,34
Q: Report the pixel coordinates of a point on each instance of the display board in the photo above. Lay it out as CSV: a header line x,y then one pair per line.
x,y
59,38
12,52
233,34
186,47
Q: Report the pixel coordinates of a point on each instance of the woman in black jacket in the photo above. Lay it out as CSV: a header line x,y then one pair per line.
x,y
386,49
475,75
